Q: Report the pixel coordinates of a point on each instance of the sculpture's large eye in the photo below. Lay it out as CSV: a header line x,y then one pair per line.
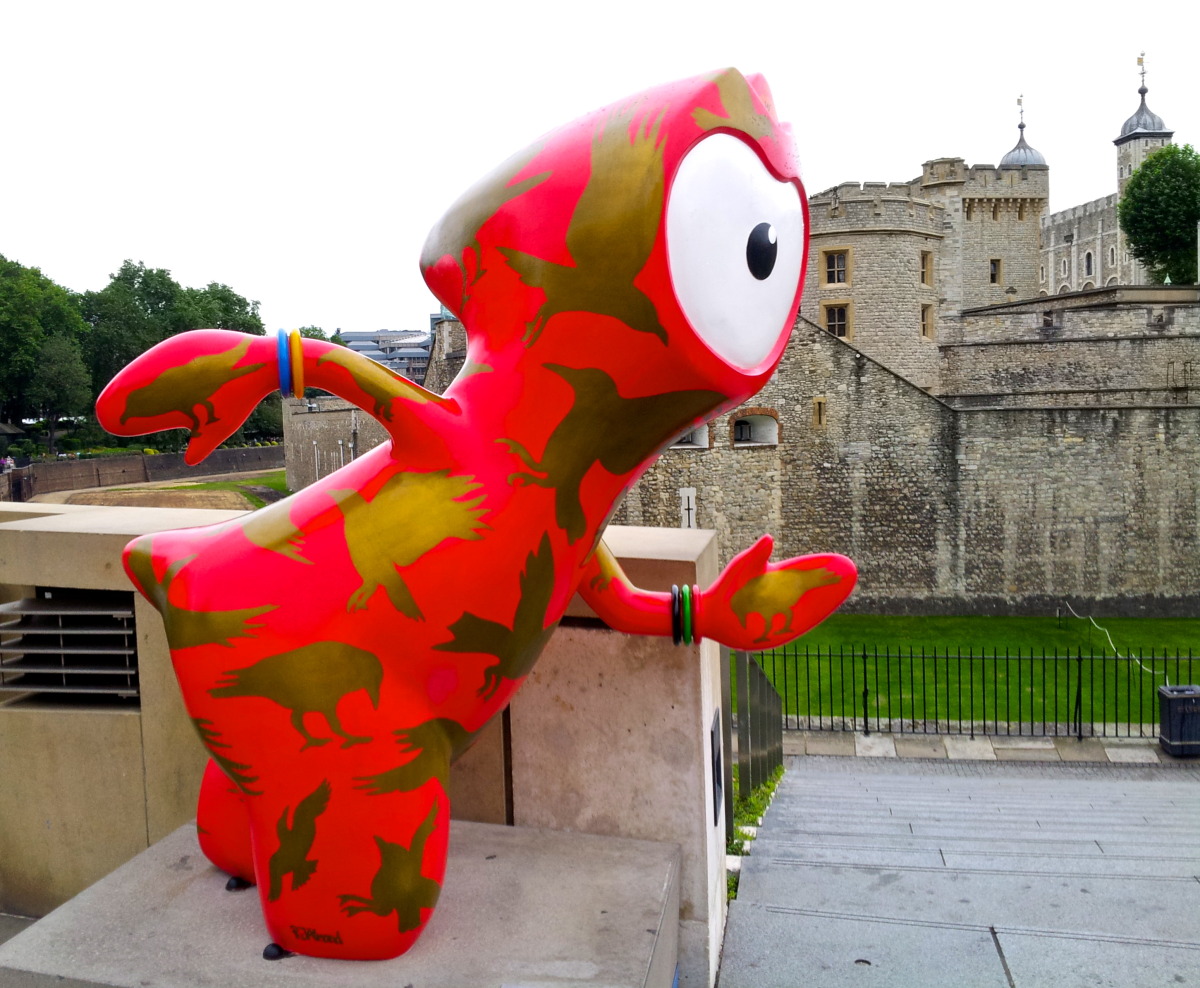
x,y
735,243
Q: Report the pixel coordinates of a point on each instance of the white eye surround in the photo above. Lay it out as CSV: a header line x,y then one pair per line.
x,y
735,246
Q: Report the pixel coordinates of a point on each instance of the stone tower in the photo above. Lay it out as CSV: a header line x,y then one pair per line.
x,y
1140,134
998,222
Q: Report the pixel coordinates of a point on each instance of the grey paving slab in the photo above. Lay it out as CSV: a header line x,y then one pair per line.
x,y
1147,907
10,926
507,916
780,948
1036,959
920,748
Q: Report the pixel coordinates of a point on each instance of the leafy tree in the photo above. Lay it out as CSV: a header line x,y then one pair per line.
x,y
220,307
313,333
142,306
1159,212
60,385
138,308
31,307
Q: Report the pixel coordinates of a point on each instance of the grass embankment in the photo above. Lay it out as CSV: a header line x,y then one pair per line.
x,y
985,668
747,811
276,481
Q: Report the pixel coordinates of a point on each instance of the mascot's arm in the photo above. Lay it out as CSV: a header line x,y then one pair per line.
x,y
754,604
208,381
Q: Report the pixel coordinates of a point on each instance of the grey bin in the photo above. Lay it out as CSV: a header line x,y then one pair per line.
x,y
1179,720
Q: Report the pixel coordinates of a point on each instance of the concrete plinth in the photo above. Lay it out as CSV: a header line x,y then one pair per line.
x,y
519,907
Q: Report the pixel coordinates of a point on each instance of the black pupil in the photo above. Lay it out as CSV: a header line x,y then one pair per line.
x,y
761,250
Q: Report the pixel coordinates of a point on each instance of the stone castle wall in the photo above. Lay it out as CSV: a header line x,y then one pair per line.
x,y
1093,365
947,510
1068,237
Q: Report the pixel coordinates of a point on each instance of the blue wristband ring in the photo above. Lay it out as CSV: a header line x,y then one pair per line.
x,y
285,366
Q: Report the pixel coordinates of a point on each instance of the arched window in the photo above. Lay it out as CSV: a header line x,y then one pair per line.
x,y
756,430
1087,263
696,439
1112,256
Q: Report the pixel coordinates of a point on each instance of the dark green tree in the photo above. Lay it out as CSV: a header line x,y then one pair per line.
x,y
1159,212
142,306
220,307
60,385
31,308
313,333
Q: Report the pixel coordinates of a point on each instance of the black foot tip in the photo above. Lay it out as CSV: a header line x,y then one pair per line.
x,y
236,884
274,952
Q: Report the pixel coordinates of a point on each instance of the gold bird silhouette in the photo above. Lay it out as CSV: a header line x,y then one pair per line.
x,y
312,679
296,841
398,886
633,430
608,247
191,385
186,628
515,648
411,514
776,593
439,741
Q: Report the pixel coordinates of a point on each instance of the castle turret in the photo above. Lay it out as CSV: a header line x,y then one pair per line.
x,y
1141,134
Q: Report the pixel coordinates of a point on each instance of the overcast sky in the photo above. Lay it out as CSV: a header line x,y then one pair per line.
x,y
300,152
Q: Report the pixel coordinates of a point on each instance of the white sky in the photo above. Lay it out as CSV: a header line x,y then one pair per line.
x,y
300,152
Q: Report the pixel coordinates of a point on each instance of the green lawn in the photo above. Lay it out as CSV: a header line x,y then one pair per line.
x,y
1012,633
276,480
956,669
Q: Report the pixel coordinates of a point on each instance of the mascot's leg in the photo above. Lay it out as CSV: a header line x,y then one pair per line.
x,y
223,826
344,873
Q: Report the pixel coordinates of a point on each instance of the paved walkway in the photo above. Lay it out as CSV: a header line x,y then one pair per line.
x,y
1116,751
944,870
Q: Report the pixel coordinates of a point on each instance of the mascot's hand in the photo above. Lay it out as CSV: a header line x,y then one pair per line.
x,y
207,381
756,604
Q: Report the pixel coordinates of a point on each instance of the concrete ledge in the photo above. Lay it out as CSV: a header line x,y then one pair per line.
x,y
519,907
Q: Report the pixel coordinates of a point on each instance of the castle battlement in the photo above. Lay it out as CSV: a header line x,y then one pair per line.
x,y
1079,212
858,190
875,206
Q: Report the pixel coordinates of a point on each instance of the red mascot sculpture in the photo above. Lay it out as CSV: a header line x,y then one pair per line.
x,y
626,278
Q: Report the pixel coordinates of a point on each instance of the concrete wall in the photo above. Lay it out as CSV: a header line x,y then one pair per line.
x,y
84,789
112,471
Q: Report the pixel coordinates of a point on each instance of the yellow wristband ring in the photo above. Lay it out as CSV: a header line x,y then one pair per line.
x,y
296,353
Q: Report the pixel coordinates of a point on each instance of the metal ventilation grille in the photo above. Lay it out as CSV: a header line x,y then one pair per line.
x,y
70,646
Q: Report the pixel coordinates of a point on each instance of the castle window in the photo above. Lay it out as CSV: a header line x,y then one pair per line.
x,y
995,210
927,321
1112,257
1021,210
1087,263
836,266
837,319
926,267
994,272
1063,267
696,439
1042,273
820,413
756,430
969,207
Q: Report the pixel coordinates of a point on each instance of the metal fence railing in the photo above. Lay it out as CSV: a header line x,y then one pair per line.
x,y
760,723
949,692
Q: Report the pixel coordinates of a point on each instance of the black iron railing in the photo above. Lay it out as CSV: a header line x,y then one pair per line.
x,y
760,723
957,692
